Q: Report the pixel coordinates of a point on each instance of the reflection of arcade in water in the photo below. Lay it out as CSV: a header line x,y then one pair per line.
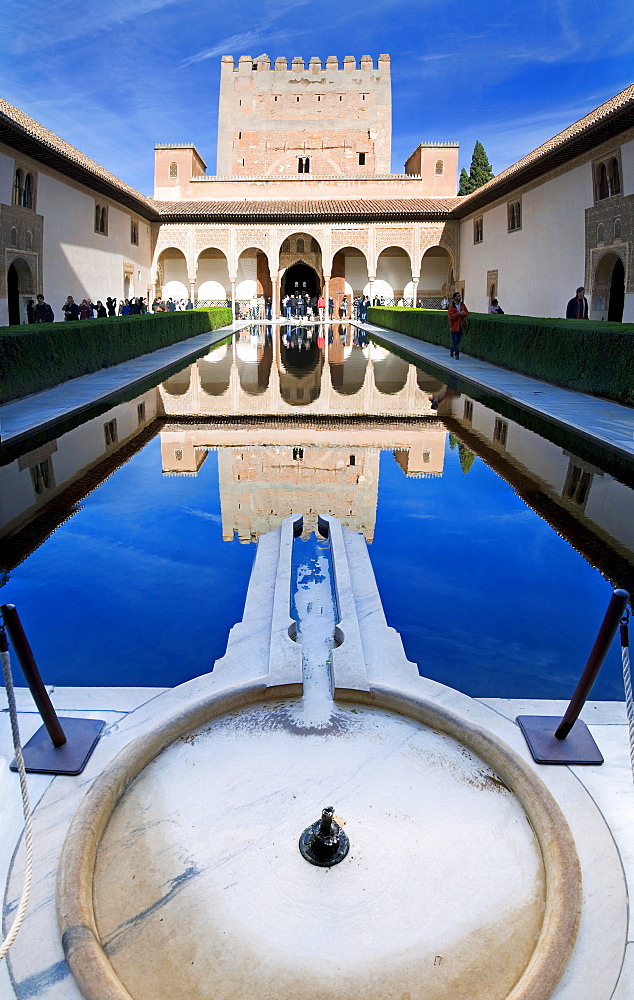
x,y
305,413
330,370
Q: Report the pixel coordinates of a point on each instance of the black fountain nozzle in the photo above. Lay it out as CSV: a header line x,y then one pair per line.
x,y
324,843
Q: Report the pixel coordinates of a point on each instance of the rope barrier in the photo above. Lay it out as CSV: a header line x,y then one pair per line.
x,y
28,829
627,682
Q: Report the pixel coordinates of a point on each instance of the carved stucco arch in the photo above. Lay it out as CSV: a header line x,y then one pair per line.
x,y
599,262
355,239
252,239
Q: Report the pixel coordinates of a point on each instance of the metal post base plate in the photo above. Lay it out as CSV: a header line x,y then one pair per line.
x,y
41,757
578,747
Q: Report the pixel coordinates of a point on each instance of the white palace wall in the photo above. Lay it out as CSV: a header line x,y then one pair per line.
x,y
67,256
540,265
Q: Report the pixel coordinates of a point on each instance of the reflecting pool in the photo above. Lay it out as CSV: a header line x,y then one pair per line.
x,y
127,542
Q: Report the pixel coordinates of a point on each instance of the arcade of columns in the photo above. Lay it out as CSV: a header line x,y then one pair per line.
x,y
413,240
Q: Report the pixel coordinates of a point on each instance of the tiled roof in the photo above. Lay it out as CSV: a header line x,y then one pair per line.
x,y
331,209
609,119
25,134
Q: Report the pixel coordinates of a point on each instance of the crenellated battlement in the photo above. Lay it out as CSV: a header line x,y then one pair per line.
x,y
263,63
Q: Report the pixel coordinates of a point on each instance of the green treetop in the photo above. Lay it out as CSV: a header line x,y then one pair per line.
x,y
479,173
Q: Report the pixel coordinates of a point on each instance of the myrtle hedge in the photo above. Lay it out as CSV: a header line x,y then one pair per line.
x,y
597,358
38,356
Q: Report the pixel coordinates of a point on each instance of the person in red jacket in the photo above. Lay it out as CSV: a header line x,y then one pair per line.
x,y
458,314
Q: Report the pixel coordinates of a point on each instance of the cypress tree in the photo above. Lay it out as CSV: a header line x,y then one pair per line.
x,y
466,187
479,173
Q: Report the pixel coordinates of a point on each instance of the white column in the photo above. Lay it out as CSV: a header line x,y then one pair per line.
x,y
233,297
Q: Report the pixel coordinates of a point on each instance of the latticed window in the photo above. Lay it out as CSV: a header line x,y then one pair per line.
x,y
577,485
618,230
17,188
600,233
42,476
101,219
500,432
134,232
14,236
615,177
110,432
303,165
603,187
173,169
440,167
515,216
314,246
27,194
300,246
478,230
286,247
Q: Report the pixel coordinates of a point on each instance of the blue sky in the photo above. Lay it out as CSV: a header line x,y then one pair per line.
x,y
115,77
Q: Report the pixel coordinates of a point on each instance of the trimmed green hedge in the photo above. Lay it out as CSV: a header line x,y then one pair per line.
x,y
41,355
597,358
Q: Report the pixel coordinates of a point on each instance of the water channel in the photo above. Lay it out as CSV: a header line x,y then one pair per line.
x,y
128,541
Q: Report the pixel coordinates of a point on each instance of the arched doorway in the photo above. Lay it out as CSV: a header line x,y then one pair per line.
x,y
608,291
617,293
19,288
300,278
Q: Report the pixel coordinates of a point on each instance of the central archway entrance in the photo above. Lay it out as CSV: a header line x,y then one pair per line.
x,y
301,278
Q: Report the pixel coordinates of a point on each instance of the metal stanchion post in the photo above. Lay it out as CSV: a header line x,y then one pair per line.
x,y
568,740
54,749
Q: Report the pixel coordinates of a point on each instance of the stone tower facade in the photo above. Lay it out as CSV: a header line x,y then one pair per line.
x,y
281,121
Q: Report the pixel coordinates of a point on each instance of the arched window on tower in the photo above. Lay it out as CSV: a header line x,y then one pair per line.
x,y
440,167
603,187
27,194
617,229
600,233
300,246
173,169
14,236
17,188
615,176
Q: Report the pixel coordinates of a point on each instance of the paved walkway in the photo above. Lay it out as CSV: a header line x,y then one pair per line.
x,y
22,418
599,420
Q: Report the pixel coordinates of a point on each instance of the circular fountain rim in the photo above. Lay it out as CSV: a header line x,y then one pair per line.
x,y
85,955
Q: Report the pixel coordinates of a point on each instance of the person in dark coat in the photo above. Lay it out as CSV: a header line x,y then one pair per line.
x,y
70,308
30,311
101,310
577,308
42,311
111,306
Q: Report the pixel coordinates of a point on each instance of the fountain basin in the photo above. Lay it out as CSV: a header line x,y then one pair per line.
x,y
181,876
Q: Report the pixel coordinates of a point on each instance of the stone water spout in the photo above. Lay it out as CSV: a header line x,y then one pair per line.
x,y
324,843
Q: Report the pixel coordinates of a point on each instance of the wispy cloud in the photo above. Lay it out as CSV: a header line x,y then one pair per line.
x,y
256,36
48,25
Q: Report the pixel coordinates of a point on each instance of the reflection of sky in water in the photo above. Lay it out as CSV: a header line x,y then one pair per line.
x,y
138,588
487,597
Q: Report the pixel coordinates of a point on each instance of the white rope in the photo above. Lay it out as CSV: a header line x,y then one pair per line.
x,y
28,830
627,683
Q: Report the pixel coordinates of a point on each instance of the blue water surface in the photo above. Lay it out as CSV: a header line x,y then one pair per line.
x,y
138,588
486,595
